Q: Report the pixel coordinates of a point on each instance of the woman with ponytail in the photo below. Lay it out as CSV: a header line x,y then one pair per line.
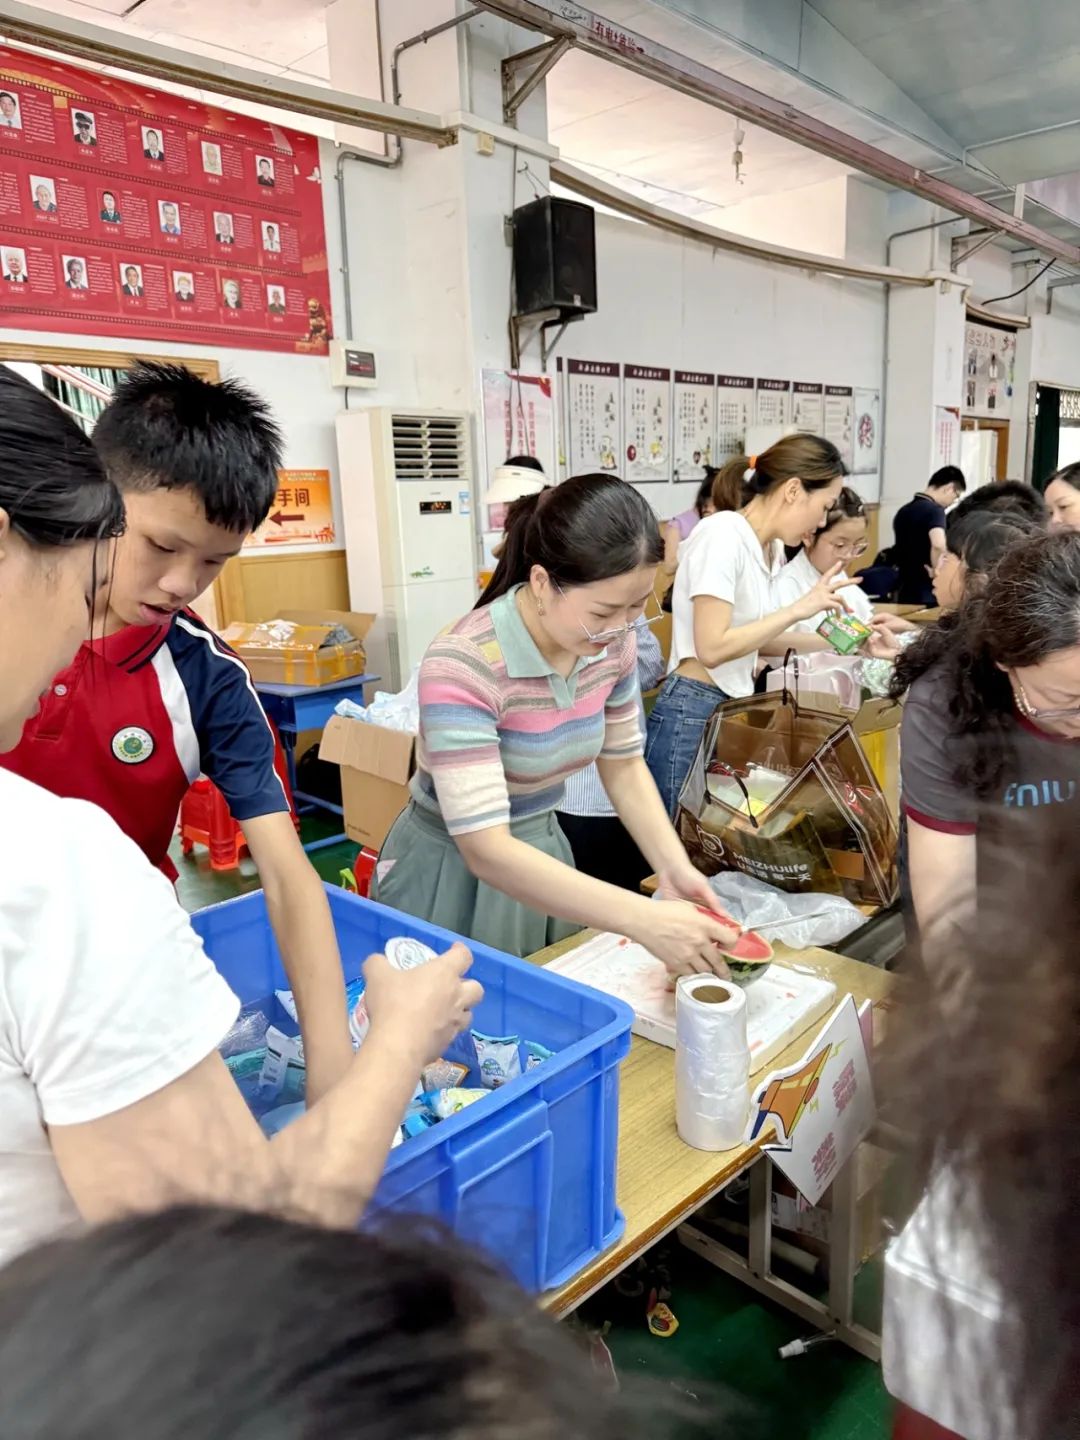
x,y
535,684
723,608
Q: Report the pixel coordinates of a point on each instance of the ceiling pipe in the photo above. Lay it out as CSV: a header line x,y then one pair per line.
x,y
586,185
163,64
421,39
599,37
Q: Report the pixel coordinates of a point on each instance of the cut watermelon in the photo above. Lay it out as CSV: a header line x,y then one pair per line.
x,y
750,947
750,955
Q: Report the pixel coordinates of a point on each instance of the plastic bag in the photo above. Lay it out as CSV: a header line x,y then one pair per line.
x,y
825,674
757,906
392,712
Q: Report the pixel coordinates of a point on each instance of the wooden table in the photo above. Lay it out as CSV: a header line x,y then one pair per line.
x,y
662,1181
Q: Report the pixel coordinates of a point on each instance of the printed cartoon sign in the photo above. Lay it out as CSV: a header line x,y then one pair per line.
x,y
821,1107
302,512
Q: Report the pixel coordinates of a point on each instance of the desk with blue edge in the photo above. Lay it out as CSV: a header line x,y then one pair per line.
x,y
296,708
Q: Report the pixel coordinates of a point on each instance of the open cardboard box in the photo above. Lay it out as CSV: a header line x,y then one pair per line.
x,y
376,766
305,658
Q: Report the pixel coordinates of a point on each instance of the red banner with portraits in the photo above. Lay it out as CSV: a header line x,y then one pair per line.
x,y
127,211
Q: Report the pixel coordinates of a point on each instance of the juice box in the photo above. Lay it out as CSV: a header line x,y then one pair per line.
x,y
844,633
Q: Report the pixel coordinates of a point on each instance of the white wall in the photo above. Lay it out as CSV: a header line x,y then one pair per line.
x,y
677,303
810,218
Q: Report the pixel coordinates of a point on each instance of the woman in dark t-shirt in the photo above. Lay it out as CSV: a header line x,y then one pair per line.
x,y
992,720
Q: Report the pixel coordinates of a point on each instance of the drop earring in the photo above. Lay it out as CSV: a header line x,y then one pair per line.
x,y
539,606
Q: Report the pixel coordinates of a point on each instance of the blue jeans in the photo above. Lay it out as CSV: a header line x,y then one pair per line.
x,y
678,720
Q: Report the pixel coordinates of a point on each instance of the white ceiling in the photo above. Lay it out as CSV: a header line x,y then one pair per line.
x,y
938,83
283,37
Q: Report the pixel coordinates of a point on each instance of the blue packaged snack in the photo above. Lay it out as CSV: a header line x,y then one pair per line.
x,y
497,1058
417,1123
276,1120
536,1054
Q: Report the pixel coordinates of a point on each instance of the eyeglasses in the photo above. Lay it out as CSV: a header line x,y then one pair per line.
x,y
844,550
605,637
1031,713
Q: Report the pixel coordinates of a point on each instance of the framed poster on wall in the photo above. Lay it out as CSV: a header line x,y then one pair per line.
x,y
127,211
695,423
594,415
646,424
734,415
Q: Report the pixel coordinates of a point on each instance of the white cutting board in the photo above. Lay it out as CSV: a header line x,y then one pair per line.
x,y
779,1007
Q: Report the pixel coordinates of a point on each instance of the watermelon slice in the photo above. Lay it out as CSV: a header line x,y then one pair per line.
x,y
750,955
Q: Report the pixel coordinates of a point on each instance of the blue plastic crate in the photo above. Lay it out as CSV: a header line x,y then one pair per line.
x,y
528,1173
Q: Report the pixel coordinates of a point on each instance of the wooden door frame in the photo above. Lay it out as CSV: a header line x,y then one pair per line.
x,y
1001,427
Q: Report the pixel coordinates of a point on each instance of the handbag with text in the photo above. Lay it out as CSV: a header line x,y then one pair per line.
x,y
786,793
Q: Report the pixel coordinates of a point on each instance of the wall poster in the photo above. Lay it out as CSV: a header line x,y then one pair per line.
x,y
839,421
989,369
647,424
126,211
593,415
695,424
867,432
519,419
773,402
302,512
808,407
946,436
734,415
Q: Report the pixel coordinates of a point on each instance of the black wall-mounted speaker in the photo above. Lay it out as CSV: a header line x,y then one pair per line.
x,y
555,257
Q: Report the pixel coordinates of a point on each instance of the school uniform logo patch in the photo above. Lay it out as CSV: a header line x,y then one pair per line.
x,y
133,745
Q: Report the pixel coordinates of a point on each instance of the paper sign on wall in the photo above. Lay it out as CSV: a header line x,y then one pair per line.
x,y
808,407
821,1107
839,421
946,437
989,369
695,423
519,419
867,432
773,402
125,211
647,424
734,415
594,419
302,512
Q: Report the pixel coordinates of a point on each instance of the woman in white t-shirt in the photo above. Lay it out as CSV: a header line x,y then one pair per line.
x,y
723,609
112,1094
840,540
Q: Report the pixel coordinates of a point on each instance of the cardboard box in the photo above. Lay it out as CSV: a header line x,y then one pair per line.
x,y
376,766
303,658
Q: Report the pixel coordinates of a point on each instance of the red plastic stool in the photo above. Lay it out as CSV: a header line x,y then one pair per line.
x,y
205,819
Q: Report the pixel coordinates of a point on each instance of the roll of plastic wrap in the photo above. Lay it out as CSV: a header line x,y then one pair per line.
x,y
712,1062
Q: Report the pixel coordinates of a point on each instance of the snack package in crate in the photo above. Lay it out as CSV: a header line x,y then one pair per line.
x,y
786,793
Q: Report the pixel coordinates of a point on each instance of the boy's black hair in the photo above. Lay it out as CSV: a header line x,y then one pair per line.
x,y
167,429
948,475
1002,497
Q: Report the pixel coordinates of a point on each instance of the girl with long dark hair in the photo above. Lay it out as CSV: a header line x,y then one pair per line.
x,y
536,683
723,608
992,716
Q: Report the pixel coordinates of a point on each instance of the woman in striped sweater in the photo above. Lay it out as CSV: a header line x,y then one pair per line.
x,y
533,685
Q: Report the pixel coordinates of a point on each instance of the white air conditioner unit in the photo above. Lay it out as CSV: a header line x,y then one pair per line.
x,y
407,488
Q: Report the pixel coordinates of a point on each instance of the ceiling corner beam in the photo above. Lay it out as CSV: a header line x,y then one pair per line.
x,y
27,25
612,42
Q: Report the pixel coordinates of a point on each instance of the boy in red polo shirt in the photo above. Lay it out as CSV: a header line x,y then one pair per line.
x,y
159,699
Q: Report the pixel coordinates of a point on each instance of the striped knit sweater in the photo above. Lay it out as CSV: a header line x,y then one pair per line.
x,y
500,731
